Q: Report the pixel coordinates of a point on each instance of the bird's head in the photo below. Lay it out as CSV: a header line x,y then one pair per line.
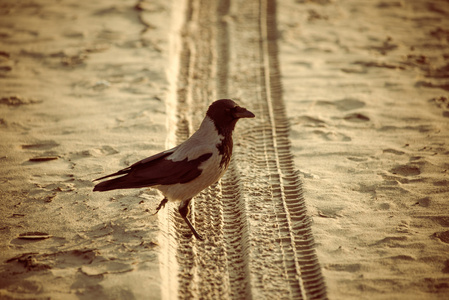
x,y
225,113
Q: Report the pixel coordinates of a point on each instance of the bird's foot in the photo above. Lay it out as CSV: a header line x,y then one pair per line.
x,y
198,236
161,205
183,211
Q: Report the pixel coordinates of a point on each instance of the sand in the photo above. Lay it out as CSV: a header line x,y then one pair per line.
x,y
352,123
367,97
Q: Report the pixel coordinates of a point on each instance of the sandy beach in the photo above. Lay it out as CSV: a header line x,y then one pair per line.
x,y
338,189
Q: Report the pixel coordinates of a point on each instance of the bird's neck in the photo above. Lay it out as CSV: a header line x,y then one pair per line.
x,y
225,135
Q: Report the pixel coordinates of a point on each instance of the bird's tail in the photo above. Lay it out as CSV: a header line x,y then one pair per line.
x,y
116,183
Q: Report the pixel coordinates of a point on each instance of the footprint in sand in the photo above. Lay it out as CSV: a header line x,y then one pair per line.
x,y
333,136
18,101
41,145
349,104
345,104
443,236
307,121
6,64
356,117
406,170
41,151
443,103
95,152
393,151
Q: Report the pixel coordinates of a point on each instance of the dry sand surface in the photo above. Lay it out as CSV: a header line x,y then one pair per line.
x,y
352,122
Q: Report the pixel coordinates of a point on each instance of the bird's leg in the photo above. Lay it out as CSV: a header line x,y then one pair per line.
x,y
161,205
183,211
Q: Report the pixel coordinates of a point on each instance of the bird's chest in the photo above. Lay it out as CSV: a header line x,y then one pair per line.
x,y
225,152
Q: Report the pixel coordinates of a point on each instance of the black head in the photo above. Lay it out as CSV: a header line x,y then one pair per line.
x,y
225,113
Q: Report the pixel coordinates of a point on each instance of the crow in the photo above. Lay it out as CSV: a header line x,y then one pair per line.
x,y
184,171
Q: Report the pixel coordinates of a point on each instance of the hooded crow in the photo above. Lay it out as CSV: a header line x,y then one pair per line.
x,y
182,172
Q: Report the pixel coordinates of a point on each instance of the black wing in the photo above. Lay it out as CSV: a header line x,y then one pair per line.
x,y
154,170
160,155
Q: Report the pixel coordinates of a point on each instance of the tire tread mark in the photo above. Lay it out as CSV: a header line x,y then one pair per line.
x,y
311,280
259,242
184,253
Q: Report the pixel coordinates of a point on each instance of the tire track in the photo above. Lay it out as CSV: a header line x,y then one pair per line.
x,y
296,219
258,238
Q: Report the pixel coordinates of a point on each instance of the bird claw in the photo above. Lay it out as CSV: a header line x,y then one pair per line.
x,y
161,205
197,236
193,230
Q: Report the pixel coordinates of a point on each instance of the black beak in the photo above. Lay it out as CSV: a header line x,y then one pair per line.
x,y
241,112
